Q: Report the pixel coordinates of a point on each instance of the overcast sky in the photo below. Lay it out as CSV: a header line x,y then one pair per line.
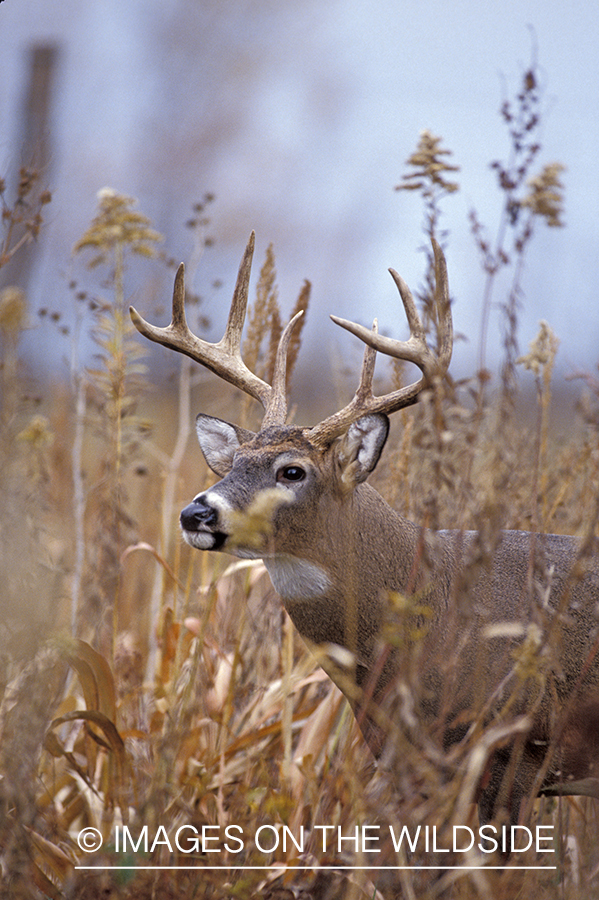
x,y
299,117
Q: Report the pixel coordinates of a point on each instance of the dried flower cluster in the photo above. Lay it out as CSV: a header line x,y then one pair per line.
x,y
542,350
546,195
430,165
117,224
23,218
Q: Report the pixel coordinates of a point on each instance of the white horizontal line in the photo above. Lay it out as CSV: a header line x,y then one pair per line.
x,y
284,868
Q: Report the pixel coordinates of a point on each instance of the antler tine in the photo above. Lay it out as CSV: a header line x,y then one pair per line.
x,y
443,304
414,350
361,403
276,412
364,391
224,357
231,340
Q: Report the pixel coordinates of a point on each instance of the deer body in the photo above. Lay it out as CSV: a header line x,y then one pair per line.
x,y
335,580
338,554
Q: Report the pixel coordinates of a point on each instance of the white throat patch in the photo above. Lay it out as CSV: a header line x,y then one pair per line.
x,y
296,579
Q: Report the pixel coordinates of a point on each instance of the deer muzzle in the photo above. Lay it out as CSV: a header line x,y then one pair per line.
x,y
200,525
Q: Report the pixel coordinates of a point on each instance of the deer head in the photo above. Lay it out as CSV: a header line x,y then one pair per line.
x,y
288,466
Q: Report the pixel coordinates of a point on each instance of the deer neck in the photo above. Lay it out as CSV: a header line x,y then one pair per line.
x,y
334,588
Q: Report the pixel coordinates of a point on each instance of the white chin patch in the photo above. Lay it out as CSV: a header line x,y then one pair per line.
x,y
205,540
296,579
201,540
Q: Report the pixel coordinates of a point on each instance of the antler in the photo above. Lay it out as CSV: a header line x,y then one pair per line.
x,y
414,350
224,358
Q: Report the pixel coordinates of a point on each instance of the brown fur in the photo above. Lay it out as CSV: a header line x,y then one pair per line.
x,y
483,615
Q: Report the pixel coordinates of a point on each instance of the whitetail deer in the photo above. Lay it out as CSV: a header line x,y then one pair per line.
x,y
335,551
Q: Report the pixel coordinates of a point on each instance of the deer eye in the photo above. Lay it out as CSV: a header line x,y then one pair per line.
x,y
291,473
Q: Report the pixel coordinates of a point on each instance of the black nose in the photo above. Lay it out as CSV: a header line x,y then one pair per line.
x,y
198,515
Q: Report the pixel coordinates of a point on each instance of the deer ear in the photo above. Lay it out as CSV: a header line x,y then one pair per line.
x,y
360,448
219,442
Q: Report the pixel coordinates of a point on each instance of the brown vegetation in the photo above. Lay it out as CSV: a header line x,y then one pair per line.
x,y
145,685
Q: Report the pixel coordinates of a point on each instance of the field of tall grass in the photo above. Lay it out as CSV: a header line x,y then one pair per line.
x,y
155,700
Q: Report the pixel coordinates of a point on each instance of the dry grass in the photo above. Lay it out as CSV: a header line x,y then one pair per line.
x,y
204,710
153,688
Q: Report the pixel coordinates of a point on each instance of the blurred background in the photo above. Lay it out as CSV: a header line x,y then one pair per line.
x,y
296,119
299,118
